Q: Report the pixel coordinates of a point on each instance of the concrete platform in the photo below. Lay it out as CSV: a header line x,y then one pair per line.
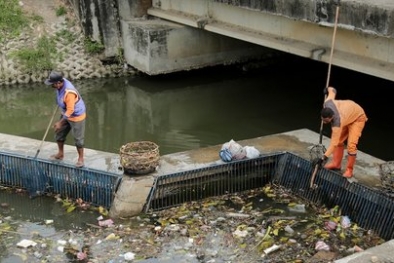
x,y
382,253
297,142
28,147
136,189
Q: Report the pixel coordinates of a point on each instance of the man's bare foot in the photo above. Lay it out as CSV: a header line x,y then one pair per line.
x,y
56,157
79,164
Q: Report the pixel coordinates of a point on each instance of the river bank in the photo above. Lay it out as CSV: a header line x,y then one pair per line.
x,y
52,39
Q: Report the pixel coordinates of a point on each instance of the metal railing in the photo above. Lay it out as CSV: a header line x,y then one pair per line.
x,y
39,176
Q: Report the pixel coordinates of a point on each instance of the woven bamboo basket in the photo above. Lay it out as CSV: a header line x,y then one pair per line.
x,y
387,175
139,157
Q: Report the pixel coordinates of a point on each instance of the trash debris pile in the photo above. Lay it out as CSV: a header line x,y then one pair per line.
x,y
263,225
280,230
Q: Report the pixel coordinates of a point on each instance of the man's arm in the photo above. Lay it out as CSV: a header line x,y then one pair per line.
x,y
70,100
332,92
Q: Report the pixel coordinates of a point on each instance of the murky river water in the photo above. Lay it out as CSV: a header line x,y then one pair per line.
x,y
192,110
209,107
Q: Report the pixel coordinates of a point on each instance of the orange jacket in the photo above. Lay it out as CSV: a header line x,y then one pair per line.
x,y
70,99
346,112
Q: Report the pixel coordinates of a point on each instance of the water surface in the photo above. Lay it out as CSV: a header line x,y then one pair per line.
x,y
200,108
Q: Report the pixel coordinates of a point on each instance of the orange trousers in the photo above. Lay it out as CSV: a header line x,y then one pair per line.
x,y
352,134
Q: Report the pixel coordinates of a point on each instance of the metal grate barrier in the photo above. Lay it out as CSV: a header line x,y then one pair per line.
x,y
39,176
370,208
172,189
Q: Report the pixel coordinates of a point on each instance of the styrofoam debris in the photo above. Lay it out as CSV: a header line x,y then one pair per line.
x,y
129,256
270,249
25,243
62,242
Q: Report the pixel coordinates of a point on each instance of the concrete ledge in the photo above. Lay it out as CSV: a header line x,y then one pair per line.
x,y
382,253
28,147
297,142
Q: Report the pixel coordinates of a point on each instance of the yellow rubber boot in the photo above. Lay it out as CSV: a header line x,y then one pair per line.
x,y
336,161
351,160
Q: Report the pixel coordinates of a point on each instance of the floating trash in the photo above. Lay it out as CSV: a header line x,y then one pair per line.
x,y
330,225
345,222
322,246
270,249
129,256
25,243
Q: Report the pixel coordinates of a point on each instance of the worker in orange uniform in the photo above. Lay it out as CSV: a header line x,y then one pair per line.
x,y
347,120
73,115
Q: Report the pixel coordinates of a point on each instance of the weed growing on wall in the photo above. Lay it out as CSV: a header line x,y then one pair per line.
x,y
61,11
37,18
38,58
65,35
11,18
93,47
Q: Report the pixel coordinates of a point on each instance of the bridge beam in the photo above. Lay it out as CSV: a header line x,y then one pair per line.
x,y
161,47
359,49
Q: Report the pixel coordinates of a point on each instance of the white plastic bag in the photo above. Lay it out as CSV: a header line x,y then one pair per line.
x,y
236,150
251,152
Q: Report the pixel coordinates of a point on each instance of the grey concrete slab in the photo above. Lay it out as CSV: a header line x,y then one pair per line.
x,y
382,253
297,142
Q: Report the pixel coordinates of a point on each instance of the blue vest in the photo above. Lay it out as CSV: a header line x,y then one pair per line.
x,y
79,105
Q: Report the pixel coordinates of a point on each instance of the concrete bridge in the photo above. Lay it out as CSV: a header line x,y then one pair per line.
x,y
163,36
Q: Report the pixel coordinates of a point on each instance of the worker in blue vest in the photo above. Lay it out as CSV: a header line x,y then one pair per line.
x,y
73,115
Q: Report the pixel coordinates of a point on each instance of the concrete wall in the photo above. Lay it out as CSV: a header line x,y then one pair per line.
x,y
373,15
129,9
158,47
100,22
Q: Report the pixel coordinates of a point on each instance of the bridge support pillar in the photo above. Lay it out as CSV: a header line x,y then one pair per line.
x,y
159,47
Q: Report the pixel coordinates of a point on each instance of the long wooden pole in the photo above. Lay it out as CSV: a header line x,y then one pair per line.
x,y
46,132
327,85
